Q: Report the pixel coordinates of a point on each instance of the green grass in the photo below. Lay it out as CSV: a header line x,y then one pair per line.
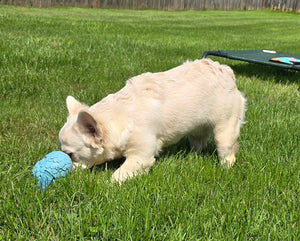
x,y
47,54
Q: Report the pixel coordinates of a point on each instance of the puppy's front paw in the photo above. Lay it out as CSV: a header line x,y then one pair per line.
x,y
76,165
119,176
133,166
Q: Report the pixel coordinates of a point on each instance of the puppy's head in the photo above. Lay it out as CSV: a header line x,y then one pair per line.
x,y
80,137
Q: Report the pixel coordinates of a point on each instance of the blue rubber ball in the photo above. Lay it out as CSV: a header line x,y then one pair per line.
x,y
54,165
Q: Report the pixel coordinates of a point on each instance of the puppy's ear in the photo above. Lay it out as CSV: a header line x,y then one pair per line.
x,y
74,106
88,126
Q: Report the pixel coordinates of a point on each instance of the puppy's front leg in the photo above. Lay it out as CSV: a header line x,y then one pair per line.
x,y
133,166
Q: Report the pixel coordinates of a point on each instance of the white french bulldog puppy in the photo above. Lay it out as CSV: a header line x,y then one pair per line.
x,y
155,110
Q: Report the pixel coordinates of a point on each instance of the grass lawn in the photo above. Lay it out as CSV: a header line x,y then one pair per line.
x,y
47,54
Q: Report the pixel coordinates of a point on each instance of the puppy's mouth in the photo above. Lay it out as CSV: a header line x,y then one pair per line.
x,y
75,162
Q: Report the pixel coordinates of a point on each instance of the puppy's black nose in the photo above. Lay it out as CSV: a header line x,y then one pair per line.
x,y
70,154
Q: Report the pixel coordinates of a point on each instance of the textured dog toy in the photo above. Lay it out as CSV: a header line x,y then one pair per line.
x,y
54,165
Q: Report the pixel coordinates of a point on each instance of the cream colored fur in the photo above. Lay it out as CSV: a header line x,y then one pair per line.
x,y
155,110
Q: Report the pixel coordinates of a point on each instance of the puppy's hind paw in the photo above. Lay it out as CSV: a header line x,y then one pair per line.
x,y
228,162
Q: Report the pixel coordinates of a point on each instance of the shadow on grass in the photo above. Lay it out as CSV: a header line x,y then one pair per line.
x,y
267,73
181,148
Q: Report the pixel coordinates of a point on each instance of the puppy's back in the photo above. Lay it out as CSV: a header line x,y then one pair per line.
x,y
202,75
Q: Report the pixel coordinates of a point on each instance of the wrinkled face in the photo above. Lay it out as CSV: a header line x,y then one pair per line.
x,y
80,136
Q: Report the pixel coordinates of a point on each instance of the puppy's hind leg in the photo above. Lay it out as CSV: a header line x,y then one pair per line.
x,y
226,135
